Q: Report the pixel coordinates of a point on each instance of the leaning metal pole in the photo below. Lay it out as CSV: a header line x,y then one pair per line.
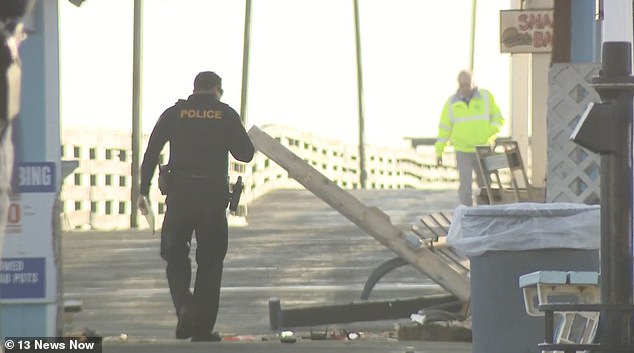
x,y
606,128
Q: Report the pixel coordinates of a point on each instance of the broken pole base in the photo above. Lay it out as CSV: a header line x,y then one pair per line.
x,y
367,310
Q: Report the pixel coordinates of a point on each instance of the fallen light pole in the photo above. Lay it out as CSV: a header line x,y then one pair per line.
x,y
449,275
371,219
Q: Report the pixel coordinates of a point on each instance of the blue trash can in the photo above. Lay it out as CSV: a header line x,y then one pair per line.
x,y
504,242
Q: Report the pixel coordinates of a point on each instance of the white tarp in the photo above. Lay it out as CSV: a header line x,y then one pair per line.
x,y
525,226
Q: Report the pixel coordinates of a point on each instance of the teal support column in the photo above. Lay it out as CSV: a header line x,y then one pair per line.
x,y
585,32
29,270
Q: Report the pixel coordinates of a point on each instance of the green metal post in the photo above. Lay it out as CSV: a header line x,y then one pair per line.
x,y
245,62
136,109
362,173
474,7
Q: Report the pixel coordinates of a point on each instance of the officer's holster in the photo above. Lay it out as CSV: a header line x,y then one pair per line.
x,y
164,179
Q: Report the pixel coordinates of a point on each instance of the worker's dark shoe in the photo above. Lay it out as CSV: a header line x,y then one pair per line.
x,y
185,325
207,337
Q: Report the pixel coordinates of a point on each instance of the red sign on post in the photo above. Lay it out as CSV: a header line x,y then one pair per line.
x,y
526,31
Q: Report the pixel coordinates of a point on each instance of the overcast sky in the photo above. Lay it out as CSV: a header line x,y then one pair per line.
x,y
302,72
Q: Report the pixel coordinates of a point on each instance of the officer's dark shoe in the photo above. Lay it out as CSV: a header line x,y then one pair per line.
x,y
185,325
207,337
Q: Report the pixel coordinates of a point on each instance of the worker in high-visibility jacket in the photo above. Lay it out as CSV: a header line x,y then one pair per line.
x,y
469,118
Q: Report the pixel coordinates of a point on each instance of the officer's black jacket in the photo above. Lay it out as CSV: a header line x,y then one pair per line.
x,y
201,131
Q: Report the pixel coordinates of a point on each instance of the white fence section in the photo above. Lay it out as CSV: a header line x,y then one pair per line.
x,y
97,194
573,171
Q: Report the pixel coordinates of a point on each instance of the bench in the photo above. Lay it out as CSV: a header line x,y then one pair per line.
x,y
563,299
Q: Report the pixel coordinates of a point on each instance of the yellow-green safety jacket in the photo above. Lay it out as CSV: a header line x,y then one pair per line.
x,y
466,125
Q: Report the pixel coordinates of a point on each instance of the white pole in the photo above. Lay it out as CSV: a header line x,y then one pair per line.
x,y
617,21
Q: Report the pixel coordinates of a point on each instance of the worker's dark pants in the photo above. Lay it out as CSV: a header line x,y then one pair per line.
x,y
193,206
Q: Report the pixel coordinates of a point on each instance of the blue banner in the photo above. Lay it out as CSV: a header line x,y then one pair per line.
x,y
22,278
35,177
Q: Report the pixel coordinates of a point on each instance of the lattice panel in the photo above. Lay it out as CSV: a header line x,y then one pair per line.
x,y
573,171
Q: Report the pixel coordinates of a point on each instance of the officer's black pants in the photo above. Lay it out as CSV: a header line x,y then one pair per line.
x,y
192,206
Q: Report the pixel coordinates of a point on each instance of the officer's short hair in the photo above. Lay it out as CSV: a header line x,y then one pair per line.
x,y
206,80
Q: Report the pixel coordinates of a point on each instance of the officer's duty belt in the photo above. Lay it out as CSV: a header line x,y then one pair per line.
x,y
193,174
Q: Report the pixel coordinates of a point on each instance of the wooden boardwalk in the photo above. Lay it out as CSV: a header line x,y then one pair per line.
x,y
295,248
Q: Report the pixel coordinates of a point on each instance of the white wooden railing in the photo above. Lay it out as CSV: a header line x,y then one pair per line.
x,y
97,194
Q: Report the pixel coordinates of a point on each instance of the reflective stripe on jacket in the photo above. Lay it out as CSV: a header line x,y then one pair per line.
x,y
466,125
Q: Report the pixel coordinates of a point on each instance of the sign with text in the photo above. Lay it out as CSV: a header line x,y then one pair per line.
x,y
26,217
526,31
29,235
15,215
35,177
22,278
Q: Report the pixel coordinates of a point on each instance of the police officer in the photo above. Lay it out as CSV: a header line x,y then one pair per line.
x,y
470,117
201,131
